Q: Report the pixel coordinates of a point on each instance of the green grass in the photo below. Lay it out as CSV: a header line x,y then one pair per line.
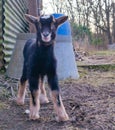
x,y
103,53
3,105
100,67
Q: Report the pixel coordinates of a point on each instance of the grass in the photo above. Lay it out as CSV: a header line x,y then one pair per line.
x,y
106,67
3,105
102,59
96,77
103,53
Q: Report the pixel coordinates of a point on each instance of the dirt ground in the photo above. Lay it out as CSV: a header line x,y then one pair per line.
x,y
89,101
85,58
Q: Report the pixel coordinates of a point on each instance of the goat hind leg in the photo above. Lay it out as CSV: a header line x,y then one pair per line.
x,y
43,95
22,86
21,92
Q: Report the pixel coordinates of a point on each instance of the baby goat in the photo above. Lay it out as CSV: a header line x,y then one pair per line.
x,y
39,60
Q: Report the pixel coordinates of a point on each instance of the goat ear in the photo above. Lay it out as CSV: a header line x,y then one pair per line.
x,y
61,20
31,19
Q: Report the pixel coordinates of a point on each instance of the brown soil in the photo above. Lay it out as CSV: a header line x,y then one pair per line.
x,y
89,101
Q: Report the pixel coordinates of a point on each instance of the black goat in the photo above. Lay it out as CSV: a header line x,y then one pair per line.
x,y
39,60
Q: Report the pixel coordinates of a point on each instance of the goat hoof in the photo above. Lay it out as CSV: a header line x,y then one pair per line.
x,y
34,117
34,113
19,101
62,118
43,99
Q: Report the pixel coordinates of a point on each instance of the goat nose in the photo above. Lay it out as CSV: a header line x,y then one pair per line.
x,y
46,34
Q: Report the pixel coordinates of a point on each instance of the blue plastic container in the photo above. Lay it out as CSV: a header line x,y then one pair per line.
x,y
65,28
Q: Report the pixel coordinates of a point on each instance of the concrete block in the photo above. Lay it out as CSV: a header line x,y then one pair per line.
x,y
66,66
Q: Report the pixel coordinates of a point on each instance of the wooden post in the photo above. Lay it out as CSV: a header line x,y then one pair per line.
x,y
32,10
39,6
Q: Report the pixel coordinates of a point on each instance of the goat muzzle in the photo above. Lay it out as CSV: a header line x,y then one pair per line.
x,y
46,37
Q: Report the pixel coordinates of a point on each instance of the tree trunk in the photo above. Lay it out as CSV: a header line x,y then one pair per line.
x,y
108,26
113,15
107,11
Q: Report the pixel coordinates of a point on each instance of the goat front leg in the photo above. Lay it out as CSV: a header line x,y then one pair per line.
x,y
43,95
56,98
34,98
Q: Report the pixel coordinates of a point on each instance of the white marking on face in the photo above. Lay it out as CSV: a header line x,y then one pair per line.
x,y
46,39
45,16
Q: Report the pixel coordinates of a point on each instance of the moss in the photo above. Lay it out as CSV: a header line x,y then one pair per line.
x,y
2,70
4,93
3,105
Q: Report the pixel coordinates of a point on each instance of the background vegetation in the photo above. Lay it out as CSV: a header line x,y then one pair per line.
x,y
92,20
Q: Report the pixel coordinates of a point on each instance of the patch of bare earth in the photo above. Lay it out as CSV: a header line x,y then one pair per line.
x,y
85,58
89,101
